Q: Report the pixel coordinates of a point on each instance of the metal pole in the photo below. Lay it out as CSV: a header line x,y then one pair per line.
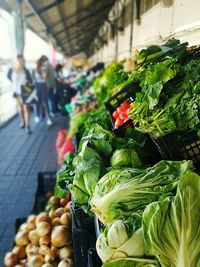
x,y
132,22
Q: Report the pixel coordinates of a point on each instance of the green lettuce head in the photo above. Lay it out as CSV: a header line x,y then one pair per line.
x,y
122,192
172,227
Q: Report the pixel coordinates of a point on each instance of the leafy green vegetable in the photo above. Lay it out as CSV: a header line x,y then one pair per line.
x,y
125,158
112,76
132,262
76,124
65,176
98,116
124,238
172,227
169,98
122,192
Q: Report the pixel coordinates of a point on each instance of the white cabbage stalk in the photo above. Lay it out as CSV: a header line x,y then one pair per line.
x,y
115,243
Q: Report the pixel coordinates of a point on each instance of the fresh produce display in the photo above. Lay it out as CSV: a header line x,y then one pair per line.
x,y
98,150
122,192
121,114
112,76
44,240
147,208
169,99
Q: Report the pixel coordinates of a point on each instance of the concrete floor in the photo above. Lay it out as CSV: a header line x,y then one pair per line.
x,y
21,158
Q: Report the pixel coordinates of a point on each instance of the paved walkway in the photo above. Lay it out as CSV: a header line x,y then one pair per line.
x,y
21,158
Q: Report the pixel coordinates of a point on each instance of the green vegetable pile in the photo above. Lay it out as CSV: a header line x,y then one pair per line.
x,y
112,76
170,97
150,214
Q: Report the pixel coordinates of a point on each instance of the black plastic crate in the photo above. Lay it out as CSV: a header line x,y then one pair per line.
x,y
82,219
93,258
179,146
127,93
45,183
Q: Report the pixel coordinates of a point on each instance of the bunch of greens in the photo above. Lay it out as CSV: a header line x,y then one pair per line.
x,y
157,53
169,99
98,116
172,226
76,124
65,175
132,262
112,76
122,192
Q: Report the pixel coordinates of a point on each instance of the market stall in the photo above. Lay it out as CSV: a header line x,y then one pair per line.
x,y
131,169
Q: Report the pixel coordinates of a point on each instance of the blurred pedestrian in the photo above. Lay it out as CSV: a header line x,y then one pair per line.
x,y
20,76
51,84
40,80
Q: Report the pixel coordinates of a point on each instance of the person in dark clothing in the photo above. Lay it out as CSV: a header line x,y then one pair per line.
x,y
64,90
40,77
20,76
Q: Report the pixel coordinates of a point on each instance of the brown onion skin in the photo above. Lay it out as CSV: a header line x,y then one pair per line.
x,y
10,259
20,251
60,236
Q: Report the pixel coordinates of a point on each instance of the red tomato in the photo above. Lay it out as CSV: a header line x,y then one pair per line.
x,y
125,105
119,109
128,126
118,122
123,116
115,115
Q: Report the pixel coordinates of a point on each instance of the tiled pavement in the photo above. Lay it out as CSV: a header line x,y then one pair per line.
x,y
21,158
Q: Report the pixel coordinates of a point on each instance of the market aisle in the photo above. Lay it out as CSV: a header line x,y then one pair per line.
x,y
21,158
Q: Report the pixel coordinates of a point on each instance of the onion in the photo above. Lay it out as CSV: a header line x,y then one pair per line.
x,y
31,218
66,252
35,261
54,200
60,236
30,226
42,217
20,251
19,265
21,238
59,212
49,257
44,249
31,222
10,259
52,213
23,227
32,250
45,240
48,265
68,207
65,219
23,263
43,228
54,250
33,237
56,221
66,263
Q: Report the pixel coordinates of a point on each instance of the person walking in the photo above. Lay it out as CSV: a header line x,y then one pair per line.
x,y
20,76
40,80
51,84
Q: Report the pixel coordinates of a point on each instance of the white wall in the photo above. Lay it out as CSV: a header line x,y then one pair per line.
x,y
180,20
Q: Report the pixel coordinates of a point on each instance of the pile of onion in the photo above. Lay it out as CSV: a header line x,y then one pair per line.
x,y
45,239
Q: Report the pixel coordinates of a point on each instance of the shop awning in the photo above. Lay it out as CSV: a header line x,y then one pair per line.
x,y
71,24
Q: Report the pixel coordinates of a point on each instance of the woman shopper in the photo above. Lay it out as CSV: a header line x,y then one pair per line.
x,y
40,80
51,84
20,76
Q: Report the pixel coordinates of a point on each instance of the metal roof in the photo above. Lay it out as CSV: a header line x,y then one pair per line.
x,y
71,24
